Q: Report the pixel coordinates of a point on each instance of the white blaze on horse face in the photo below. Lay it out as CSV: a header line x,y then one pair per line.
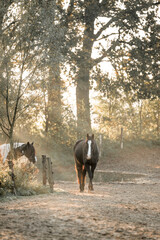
x,y
89,149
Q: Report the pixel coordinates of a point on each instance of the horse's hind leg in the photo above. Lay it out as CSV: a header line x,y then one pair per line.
x,y
78,168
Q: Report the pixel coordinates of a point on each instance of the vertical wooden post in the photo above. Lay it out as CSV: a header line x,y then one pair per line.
x,y
158,116
140,117
44,169
121,137
100,145
50,174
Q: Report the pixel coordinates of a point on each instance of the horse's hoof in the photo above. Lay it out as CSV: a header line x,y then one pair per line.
x,y
90,188
81,189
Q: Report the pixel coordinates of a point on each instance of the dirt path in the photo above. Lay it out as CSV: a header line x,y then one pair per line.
x,y
114,211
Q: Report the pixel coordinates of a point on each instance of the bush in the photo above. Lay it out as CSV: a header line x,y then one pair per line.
x,y
25,180
5,180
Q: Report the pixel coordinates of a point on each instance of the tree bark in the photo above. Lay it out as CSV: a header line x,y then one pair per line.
x,y
54,100
83,105
83,84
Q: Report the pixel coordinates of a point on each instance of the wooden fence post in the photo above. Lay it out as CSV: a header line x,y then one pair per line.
x,y
50,174
100,145
44,169
121,137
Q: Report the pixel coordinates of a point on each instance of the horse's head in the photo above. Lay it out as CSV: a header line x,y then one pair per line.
x,y
89,144
28,150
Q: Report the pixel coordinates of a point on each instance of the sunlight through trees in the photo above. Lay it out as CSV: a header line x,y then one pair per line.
x,y
45,43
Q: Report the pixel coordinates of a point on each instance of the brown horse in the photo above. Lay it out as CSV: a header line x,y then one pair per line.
x,y
86,157
19,150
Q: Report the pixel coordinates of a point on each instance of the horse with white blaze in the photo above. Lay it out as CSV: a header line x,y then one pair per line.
x,y
86,157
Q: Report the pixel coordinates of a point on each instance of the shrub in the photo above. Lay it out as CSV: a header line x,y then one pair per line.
x,y
26,183
5,180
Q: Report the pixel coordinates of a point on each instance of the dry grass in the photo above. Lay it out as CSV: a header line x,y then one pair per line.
x,y
26,183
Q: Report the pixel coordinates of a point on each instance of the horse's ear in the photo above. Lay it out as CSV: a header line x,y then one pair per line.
x,y
87,135
92,136
28,144
32,143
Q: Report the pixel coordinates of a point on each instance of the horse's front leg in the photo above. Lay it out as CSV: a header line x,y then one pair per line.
x,y
90,175
83,176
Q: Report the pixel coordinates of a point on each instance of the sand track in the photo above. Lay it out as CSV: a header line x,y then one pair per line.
x,y
113,211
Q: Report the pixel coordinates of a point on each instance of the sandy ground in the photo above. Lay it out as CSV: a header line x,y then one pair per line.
x,y
127,209
113,211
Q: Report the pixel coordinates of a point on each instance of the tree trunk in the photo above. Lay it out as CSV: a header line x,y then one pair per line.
x,y
83,106
54,100
10,162
83,84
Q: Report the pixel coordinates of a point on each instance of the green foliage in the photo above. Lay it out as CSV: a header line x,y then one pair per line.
x,y
139,119
135,57
41,36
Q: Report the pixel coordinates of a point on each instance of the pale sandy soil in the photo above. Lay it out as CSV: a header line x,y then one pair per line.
x,y
113,211
116,210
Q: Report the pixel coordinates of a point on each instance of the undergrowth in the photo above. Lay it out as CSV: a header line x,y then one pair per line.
x,y
113,148
26,183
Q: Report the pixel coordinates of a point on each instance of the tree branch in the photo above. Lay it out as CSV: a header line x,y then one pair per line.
x,y
25,107
7,98
106,36
19,92
5,132
105,54
105,26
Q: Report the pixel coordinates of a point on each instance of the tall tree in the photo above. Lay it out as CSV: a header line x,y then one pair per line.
x,y
107,23
136,57
52,38
18,66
